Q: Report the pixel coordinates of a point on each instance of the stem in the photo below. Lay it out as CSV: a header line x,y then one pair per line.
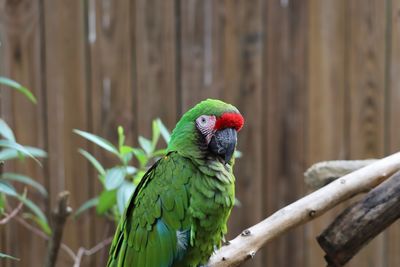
x,y
12,214
77,258
41,234
59,217
88,252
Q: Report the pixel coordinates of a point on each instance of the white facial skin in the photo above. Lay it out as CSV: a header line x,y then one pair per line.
x,y
206,124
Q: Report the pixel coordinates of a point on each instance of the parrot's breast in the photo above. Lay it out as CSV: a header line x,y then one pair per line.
x,y
211,201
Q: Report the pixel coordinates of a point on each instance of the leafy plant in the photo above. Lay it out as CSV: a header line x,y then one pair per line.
x,y
9,150
5,256
18,87
120,181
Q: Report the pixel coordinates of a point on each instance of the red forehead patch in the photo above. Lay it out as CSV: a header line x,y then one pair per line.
x,y
229,120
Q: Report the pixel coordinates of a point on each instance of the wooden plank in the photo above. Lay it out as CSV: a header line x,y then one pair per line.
x,y
200,51
112,92
366,95
155,54
242,83
284,119
392,109
66,96
326,108
20,31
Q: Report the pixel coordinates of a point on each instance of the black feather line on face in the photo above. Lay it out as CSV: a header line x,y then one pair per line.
x,y
202,144
204,131
201,140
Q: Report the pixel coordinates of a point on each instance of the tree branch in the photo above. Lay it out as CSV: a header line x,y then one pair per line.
x,y
325,172
361,222
12,214
77,258
88,252
41,234
245,246
59,217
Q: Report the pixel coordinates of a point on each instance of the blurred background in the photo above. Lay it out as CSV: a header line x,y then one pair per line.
x,y
315,80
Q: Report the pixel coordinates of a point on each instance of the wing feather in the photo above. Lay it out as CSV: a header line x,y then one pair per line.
x,y
147,234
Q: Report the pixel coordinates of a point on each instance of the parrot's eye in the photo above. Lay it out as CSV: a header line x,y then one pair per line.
x,y
205,124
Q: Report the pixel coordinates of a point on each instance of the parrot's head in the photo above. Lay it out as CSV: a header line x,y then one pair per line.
x,y
208,129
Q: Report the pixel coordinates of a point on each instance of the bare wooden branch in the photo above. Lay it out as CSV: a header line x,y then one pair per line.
x,y
323,173
361,222
59,217
41,234
12,214
245,246
77,258
88,252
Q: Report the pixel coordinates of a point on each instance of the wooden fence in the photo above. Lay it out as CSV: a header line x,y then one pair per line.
x,y
315,80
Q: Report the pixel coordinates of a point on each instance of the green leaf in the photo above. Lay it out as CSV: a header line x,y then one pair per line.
x,y
146,145
102,177
114,177
125,154
141,156
35,209
6,131
107,200
18,147
237,203
237,154
8,153
36,152
121,137
124,194
24,179
100,141
130,170
2,255
14,85
93,160
156,134
126,150
87,205
2,203
126,158
44,226
7,189
164,131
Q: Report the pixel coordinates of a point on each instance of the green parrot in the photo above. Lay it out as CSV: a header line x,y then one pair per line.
x,y
178,213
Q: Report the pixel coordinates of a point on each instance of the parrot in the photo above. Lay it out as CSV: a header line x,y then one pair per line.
x,y
177,215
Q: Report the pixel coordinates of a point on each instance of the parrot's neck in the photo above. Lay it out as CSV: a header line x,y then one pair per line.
x,y
212,166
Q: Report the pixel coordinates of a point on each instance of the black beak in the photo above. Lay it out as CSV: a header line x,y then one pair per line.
x,y
223,143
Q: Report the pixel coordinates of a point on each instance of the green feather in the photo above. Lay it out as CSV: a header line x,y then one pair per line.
x,y
122,255
129,259
179,205
140,232
168,201
132,235
166,244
